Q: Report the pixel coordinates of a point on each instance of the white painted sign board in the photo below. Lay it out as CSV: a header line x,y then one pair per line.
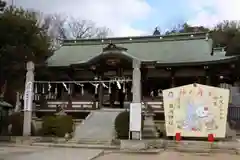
x,y
196,110
135,117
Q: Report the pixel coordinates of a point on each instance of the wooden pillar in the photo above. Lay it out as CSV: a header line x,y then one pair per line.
x,y
70,88
208,77
100,92
69,98
172,78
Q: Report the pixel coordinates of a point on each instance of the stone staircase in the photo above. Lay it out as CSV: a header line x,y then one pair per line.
x,y
149,127
97,128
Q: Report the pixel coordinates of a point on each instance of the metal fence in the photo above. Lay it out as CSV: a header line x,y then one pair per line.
x,y
234,113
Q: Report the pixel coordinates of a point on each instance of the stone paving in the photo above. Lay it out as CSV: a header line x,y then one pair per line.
x,y
52,153
165,155
45,153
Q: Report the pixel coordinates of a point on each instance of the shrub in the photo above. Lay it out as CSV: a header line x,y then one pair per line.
x,y
64,125
16,120
57,125
122,125
48,126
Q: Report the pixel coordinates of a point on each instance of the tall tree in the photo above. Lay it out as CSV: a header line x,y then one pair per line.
x,y
2,5
61,27
78,29
227,34
21,40
186,28
224,34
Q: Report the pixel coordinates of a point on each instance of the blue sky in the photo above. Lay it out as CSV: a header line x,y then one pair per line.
x,y
140,17
165,14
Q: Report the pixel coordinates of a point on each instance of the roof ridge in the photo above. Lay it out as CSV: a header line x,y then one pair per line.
x,y
139,39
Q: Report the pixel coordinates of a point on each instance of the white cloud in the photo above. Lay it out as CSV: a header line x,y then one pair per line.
x,y
222,10
114,14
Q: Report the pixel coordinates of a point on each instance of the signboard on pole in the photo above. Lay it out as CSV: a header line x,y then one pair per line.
x,y
28,96
196,110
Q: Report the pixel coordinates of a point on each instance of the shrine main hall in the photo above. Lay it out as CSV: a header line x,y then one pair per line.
x,y
88,74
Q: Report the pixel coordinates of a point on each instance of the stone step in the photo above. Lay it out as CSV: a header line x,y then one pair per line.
x,y
90,141
149,129
98,127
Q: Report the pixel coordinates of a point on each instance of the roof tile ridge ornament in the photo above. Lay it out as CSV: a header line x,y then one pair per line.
x,y
113,47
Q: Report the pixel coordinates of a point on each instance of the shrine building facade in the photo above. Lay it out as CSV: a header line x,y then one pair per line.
x,y
90,74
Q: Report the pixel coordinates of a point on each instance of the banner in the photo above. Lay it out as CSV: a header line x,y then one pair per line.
x,y
196,110
28,96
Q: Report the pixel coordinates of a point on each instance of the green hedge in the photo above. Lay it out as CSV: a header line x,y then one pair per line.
x,y
16,120
122,125
57,125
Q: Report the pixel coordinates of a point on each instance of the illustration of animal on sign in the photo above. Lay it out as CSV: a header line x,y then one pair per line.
x,y
197,116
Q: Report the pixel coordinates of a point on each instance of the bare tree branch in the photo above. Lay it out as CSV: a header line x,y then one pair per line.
x,y
78,29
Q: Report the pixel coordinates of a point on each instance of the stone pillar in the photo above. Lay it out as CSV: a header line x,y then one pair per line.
x,y
136,82
136,92
28,99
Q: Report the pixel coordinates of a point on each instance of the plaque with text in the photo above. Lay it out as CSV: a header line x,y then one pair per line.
x,y
196,110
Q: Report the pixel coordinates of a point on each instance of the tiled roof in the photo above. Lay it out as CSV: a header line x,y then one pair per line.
x,y
179,49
